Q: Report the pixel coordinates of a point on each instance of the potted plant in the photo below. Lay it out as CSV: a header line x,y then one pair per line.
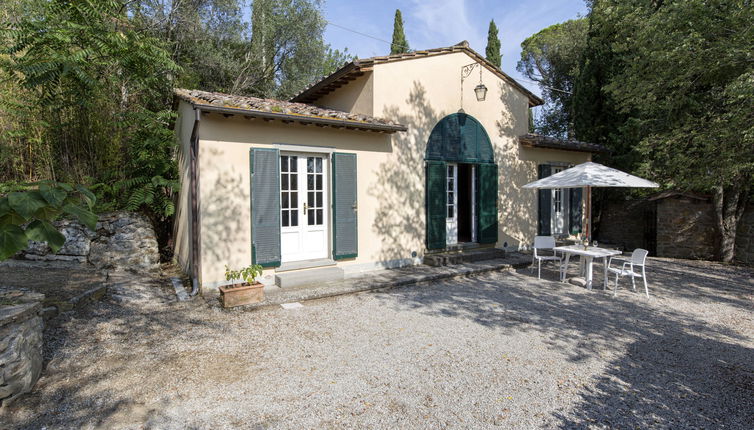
x,y
245,290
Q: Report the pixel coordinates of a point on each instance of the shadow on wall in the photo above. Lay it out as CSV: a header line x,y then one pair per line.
x,y
400,218
667,368
516,207
224,218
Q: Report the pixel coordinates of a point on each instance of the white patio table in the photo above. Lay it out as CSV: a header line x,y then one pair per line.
x,y
588,255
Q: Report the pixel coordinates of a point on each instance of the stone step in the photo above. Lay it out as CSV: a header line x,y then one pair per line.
x,y
467,256
309,277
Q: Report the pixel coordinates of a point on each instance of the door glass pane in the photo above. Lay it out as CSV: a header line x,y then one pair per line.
x,y
310,215
294,182
319,200
284,181
319,165
294,163
285,218
294,200
310,199
310,164
284,201
319,182
319,216
294,218
283,163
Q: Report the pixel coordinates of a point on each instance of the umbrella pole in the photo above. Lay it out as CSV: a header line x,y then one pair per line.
x,y
589,211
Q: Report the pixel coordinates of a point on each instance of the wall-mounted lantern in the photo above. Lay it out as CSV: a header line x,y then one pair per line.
x,y
480,90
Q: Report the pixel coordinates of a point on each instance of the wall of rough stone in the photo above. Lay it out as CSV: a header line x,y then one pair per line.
x,y
20,342
624,224
745,237
122,241
686,228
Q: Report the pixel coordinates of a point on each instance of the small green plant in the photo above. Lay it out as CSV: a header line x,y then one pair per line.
x,y
27,214
247,274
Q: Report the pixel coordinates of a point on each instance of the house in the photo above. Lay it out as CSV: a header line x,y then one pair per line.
x,y
384,161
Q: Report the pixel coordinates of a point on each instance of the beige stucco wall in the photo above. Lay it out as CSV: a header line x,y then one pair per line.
x,y
391,219
181,230
356,96
225,184
419,93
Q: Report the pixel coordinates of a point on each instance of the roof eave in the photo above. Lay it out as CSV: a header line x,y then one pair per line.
x,y
538,141
561,148
385,128
347,69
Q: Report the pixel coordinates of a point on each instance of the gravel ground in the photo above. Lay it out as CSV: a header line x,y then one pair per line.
x,y
501,349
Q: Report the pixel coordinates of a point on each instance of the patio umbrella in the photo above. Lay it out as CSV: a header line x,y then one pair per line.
x,y
588,175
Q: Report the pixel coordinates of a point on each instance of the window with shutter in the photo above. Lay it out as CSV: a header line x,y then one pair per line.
x,y
575,214
487,203
265,207
544,199
436,208
345,225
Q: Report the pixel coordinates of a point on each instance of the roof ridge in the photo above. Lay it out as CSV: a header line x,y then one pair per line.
x,y
462,46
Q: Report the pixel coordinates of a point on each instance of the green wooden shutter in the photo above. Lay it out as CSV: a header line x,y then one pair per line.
x,y
574,210
265,207
345,226
436,204
544,203
487,203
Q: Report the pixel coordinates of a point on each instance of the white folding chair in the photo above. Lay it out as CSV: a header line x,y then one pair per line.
x,y
637,260
543,243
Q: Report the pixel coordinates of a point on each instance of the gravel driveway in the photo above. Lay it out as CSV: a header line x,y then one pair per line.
x,y
502,349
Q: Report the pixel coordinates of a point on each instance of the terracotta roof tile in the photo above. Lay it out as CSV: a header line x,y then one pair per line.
x,y
539,141
285,110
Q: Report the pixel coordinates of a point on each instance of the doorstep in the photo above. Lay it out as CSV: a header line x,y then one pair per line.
x,y
388,278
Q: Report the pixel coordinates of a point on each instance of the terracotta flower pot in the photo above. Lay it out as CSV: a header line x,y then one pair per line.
x,y
241,294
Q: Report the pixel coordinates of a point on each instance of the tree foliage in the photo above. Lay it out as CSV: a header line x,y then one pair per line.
x,y
668,86
552,58
27,214
492,50
399,44
86,85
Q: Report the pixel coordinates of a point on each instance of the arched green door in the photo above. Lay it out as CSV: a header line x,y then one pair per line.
x,y
460,138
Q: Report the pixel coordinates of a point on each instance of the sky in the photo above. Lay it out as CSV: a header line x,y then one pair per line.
x,y
439,23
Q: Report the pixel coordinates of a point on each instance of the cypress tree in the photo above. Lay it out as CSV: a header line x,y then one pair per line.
x,y
399,44
493,45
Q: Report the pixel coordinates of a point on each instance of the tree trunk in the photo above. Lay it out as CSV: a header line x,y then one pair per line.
x,y
729,207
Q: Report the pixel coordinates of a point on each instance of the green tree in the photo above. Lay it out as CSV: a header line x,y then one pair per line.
x,y
27,214
95,90
680,78
399,44
493,45
552,58
86,85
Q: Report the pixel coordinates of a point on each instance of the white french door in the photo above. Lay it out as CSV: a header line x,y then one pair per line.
x,y
451,191
303,203
559,212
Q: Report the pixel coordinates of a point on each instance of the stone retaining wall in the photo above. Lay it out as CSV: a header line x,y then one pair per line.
x,y
122,241
624,224
20,342
685,227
